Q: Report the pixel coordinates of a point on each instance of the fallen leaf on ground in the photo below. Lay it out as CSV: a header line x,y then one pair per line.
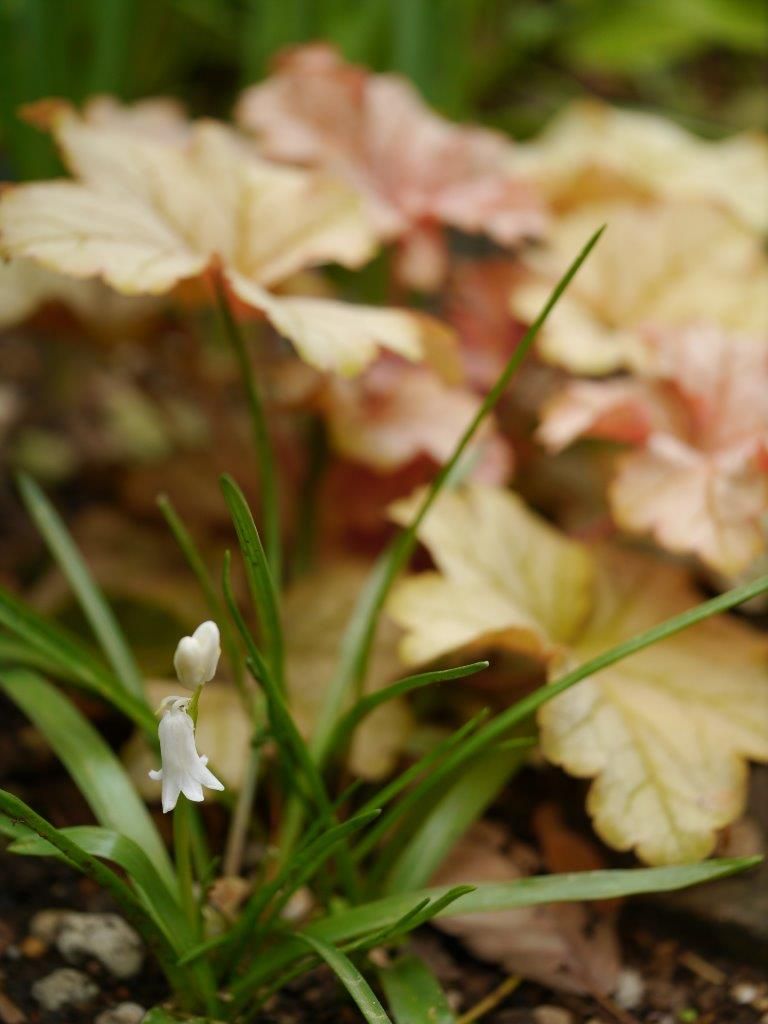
x,y
566,946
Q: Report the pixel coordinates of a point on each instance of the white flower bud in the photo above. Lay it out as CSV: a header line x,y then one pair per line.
x,y
183,770
197,656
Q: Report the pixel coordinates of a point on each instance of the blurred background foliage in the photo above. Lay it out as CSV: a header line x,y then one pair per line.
x,y
508,63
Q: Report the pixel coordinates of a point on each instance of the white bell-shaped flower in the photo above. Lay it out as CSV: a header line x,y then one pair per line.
x,y
183,770
198,655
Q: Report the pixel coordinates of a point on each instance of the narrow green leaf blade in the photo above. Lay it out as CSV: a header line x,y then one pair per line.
x,y
351,979
581,886
414,993
259,575
371,701
160,897
94,767
358,638
17,811
95,607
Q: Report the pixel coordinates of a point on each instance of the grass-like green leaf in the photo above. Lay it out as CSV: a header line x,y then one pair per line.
x,y
265,459
352,980
40,644
161,898
499,727
358,638
70,561
408,779
346,725
94,767
134,911
414,994
446,818
260,579
586,885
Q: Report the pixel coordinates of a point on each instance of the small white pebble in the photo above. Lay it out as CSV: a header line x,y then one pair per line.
x,y
630,989
552,1015
745,993
64,987
123,1013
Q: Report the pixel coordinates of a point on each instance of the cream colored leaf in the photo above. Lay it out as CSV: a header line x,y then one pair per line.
x,y
339,336
665,732
316,611
150,208
505,576
592,148
657,267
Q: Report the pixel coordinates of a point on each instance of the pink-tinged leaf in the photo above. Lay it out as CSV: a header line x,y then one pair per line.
x,y
567,947
414,169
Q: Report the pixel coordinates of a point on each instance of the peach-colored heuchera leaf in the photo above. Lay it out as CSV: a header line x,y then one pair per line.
x,y
415,170
397,412
316,611
593,150
477,306
566,947
149,208
698,479
504,577
658,266
666,732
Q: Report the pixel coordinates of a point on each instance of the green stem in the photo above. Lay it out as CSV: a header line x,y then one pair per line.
x,y
261,441
182,850
241,818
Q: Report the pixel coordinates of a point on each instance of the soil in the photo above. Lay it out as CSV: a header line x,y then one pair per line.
x,y
684,978
689,972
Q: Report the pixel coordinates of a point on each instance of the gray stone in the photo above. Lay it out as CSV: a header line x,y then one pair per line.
x,y
64,987
123,1013
105,937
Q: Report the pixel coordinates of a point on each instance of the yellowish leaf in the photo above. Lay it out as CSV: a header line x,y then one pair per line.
x,y
339,336
152,207
316,611
664,733
593,149
658,266
505,577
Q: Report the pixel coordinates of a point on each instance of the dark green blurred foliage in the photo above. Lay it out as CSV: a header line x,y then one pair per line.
x,y
510,63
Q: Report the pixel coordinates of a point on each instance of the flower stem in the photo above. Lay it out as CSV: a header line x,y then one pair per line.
x,y
182,849
238,829
262,444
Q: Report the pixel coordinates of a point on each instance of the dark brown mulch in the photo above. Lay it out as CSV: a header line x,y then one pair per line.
x,y
686,978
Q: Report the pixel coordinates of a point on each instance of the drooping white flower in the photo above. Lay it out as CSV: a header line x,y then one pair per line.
x,y
198,655
183,769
